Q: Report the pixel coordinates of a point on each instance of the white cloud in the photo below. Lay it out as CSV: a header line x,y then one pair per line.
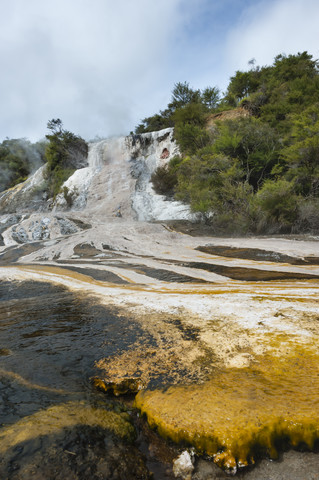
x,y
86,61
103,65
270,28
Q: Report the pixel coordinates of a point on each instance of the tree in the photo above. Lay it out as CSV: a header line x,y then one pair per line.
x,y
182,95
156,122
55,125
64,153
164,179
190,131
275,148
277,206
212,185
253,143
241,85
302,155
210,97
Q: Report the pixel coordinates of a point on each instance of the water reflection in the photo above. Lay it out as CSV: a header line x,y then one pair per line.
x,y
49,341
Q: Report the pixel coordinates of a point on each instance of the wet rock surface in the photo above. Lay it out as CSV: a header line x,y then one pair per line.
x,y
67,227
7,221
19,235
86,250
78,453
138,306
291,465
12,254
101,275
121,387
250,274
252,254
49,340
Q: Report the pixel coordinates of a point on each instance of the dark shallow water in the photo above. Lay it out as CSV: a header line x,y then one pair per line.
x,y
54,336
49,341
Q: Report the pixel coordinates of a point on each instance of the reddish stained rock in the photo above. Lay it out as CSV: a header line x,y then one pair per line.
x,y
165,153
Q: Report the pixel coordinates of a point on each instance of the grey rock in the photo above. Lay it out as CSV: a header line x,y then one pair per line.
x,y
19,235
9,220
66,226
137,167
40,232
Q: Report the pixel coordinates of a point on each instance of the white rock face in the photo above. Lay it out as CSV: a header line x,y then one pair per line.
x,y
79,183
117,180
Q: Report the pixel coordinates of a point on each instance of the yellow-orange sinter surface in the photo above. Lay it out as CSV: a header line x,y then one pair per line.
x,y
243,413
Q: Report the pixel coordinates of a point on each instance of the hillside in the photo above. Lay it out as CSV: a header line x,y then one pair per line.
x,y
245,163
249,160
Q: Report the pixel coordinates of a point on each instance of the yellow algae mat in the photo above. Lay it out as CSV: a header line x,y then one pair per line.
x,y
243,413
57,417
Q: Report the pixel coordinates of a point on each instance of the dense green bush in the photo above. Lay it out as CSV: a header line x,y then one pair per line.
x,y
254,143
257,174
65,152
164,179
308,216
62,150
276,206
302,152
206,100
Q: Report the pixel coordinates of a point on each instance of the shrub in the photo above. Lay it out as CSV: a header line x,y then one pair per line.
x,y
308,216
63,153
164,179
276,207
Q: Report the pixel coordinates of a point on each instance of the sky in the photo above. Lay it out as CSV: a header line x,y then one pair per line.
x,y
101,66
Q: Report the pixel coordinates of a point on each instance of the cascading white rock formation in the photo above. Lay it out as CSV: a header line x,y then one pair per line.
x,y
117,180
95,157
153,150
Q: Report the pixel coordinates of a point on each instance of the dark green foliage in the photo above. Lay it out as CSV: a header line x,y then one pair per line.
x,y
254,143
302,153
182,96
64,153
190,114
261,173
255,101
67,196
276,206
210,97
241,85
290,84
191,137
190,131
19,158
308,215
164,179
213,185
155,123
